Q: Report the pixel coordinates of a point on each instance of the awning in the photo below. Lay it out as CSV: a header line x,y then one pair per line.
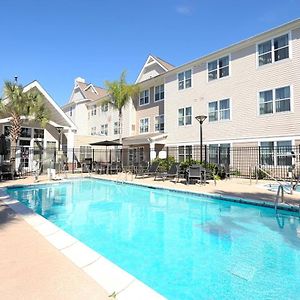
x,y
142,139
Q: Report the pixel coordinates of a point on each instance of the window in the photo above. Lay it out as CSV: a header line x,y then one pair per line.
x,y
94,110
85,152
276,153
144,125
278,100
93,131
104,107
219,153
159,123
159,92
273,50
219,110
25,132
144,97
184,79
218,68
185,153
38,133
104,129
185,116
71,111
117,128
136,155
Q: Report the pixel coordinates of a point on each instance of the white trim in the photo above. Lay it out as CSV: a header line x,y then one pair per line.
x,y
91,86
52,102
184,116
159,123
149,100
274,113
148,126
289,33
146,64
219,78
184,79
155,93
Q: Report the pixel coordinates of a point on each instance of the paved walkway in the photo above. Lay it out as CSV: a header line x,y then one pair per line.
x,y
31,268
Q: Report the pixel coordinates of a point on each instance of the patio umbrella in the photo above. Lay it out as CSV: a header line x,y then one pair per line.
x,y
106,143
3,145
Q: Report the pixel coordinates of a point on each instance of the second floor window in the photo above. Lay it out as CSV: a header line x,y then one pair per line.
x,y
144,125
277,100
159,92
104,107
218,68
71,111
185,116
184,80
273,50
219,110
104,129
159,123
116,127
94,110
144,97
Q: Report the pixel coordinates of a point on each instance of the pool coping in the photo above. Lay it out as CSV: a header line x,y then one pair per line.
x,y
261,203
113,279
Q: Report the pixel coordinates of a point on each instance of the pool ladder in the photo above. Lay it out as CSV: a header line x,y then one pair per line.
x,y
280,194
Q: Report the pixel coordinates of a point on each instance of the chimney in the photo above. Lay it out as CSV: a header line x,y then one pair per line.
x,y
79,79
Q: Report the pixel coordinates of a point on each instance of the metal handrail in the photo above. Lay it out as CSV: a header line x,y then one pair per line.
x,y
273,178
280,189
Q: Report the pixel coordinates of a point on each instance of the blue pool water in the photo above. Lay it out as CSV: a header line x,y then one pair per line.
x,y
183,246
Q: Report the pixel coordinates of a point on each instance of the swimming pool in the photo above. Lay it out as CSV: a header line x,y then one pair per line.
x,y
184,246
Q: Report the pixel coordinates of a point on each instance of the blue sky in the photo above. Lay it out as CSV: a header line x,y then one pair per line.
x,y
56,41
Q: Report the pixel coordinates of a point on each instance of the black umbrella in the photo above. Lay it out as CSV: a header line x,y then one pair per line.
x,y
106,143
3,145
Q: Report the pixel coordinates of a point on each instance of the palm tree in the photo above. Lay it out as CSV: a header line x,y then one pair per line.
x,y
17,105
119,94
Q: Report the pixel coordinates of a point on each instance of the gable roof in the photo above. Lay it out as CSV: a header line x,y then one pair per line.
x,y
91,91
166,65
57,116
151,60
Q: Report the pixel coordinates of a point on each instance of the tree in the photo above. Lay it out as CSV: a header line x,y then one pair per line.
x,y
18,105
119,94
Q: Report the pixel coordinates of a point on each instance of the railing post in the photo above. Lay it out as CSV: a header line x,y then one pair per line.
x,y
73,158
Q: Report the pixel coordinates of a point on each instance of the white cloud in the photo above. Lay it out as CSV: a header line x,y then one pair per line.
x,y
183,9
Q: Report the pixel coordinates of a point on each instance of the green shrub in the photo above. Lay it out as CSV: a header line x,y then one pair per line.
x,y
165,163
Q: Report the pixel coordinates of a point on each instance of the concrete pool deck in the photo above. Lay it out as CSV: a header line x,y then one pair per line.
x,y
31,268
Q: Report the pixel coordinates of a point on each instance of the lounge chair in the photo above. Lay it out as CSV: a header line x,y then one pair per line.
x,y
150,171
196,173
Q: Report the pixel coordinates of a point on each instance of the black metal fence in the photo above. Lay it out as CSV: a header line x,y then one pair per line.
x,y
240,161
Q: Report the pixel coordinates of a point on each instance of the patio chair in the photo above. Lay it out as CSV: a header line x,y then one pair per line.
x,y
173,173
150,171
114,168
6,171
196,173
